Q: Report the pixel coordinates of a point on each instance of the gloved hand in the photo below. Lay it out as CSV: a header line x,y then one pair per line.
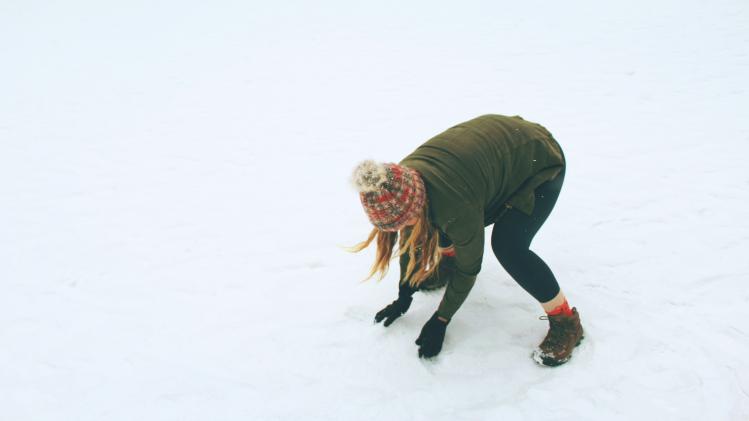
x,y
397,307
393,310
431,337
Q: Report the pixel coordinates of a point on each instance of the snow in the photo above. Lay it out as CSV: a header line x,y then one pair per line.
x,y
176,199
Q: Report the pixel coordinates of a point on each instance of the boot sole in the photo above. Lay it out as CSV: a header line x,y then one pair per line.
x,y
549,362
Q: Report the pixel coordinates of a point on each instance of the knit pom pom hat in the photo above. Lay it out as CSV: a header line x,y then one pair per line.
x,y
390,193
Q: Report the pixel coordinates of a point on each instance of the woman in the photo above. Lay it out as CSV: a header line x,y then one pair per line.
x,y
436,202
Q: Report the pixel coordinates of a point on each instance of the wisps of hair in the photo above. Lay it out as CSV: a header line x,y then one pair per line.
x,y
385,244
420,243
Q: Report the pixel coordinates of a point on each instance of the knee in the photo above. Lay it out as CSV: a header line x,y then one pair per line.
x,y
508,251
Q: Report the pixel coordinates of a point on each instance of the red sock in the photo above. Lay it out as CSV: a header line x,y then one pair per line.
x,y
563,308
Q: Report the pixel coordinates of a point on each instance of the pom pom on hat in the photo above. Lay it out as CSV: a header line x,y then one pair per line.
x,y
390,193
369,176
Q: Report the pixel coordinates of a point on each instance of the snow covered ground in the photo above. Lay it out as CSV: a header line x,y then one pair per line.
x,y
175,199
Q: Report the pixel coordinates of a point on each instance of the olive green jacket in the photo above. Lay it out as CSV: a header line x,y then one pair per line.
x,y
473,172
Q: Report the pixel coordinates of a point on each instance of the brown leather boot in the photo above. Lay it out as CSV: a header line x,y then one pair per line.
x,y
565,333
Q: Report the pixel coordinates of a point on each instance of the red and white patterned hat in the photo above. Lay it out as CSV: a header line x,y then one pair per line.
x,y
390,193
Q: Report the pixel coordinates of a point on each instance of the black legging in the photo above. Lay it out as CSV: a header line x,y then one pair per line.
x,y
511,239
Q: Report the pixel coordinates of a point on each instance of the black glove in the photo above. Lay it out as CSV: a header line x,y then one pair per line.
x,y
431,337
397,307
393,310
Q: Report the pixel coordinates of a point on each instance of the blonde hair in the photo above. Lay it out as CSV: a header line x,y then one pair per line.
x,y
420,242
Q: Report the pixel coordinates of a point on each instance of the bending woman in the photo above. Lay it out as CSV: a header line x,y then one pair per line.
x,y
435,204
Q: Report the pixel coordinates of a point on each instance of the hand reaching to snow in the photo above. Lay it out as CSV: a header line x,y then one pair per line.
x,y
397,307
393,310
431,337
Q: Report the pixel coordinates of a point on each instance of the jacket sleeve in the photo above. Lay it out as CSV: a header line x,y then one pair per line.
x,y
468,237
